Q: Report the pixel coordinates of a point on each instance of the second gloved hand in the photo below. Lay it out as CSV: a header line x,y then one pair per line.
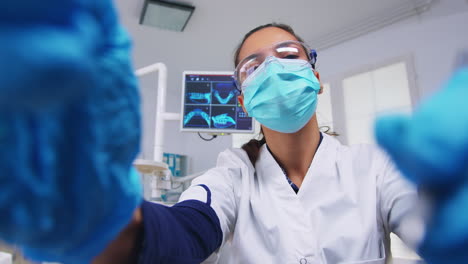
x,y
431,149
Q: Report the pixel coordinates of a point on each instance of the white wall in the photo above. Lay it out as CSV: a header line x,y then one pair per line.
x,y
432,39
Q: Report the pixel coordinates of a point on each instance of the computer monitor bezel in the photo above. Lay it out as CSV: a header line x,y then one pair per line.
x,y
210,130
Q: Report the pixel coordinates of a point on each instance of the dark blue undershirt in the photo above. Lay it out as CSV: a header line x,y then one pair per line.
x,y
292,184
188,232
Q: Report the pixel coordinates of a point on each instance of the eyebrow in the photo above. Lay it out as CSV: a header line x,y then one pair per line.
x,y
285,44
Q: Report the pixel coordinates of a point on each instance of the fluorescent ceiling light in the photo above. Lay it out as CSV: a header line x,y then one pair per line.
x,y
166,15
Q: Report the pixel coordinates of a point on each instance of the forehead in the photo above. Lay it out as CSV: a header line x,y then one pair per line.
x,y
263,38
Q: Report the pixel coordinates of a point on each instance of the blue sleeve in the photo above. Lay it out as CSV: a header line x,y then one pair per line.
x,y
188,232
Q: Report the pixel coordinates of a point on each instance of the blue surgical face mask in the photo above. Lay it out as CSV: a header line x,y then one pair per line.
x,y
282,94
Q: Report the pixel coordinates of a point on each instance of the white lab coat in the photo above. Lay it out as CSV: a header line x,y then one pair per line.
x,y
348,203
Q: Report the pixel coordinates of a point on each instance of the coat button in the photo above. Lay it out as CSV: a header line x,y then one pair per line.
x,y
303,261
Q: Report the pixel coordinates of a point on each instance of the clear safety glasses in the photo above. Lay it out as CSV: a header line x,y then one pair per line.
x,y
290,49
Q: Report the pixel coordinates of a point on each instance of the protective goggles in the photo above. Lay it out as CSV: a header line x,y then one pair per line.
x,y
283,50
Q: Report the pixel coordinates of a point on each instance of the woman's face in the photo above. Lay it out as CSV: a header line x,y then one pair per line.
x,y
264,38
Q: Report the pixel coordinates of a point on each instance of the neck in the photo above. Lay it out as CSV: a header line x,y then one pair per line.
x,y
294,151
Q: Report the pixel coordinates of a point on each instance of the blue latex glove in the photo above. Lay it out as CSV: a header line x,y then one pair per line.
x,y
431,149
69,128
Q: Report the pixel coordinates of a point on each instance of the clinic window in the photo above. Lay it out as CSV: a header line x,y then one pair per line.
x,y
366,95
389,88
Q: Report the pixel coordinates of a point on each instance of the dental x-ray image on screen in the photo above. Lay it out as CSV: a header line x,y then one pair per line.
x,y
209,104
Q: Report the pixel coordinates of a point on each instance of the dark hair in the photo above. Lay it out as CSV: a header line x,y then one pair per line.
x,y
253,146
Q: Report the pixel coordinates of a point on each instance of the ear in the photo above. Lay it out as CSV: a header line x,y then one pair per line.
x,y
240,99
317,74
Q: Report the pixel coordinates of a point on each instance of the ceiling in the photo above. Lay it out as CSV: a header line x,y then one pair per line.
x,y
311,18
217,26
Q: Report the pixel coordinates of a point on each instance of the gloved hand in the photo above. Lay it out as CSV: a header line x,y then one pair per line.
x,y
69,128
431,149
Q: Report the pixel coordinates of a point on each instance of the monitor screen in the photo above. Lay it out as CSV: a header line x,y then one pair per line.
x,y
209,104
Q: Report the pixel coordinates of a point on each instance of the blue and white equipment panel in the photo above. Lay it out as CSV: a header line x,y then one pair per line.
x,y
209,104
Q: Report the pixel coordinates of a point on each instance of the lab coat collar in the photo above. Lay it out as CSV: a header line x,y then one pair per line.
x,y
323,165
